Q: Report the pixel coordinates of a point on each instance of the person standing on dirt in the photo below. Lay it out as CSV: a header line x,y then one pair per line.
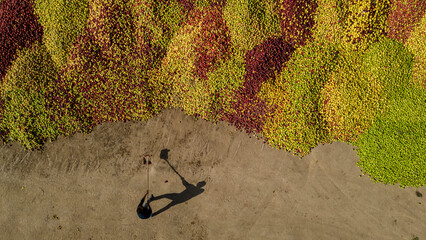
x,y
144,210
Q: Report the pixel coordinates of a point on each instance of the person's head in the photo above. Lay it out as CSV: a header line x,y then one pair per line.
x,y
144,213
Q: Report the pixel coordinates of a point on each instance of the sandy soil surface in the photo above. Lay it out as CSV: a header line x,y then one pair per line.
x,y
88,187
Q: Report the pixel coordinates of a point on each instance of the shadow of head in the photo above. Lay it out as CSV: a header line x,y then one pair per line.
x,y
164,154
201,184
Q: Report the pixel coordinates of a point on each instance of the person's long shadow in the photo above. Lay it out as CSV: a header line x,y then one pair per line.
x,y
177,198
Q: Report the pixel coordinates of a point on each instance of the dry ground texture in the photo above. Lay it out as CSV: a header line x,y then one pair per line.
x,y
88,187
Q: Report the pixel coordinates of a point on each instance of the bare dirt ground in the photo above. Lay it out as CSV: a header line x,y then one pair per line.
x,y
88,187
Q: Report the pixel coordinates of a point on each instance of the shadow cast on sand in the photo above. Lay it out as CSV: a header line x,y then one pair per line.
x,y
190,191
